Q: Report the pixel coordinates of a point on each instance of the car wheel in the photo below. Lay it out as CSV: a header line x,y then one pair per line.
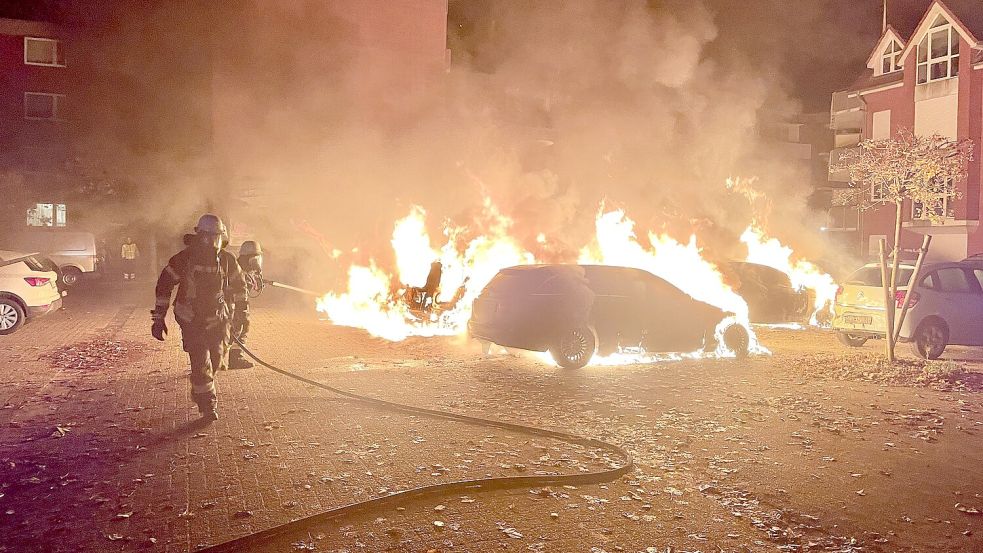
x,y
71,276
11,316
737,340
930,339
851,340
574,348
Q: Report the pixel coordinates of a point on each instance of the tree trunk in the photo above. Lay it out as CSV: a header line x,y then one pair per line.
x,y
888,303
894,272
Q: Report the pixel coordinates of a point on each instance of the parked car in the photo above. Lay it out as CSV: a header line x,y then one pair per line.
x,y
945,308
573,311
74,252
26,290
769,294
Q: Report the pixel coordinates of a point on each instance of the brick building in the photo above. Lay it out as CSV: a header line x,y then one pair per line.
x,y
925,74
35,99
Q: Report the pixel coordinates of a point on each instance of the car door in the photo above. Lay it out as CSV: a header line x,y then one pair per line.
x,y
673,320
960,304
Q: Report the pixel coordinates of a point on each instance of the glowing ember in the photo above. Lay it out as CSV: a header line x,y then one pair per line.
x,y
803,274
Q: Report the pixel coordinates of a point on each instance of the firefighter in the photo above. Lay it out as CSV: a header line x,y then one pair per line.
x,y
129,253
209,282
251,263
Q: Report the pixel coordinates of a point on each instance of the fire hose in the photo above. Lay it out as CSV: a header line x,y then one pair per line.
x,y
474,485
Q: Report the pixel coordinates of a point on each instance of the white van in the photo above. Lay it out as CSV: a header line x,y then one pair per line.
x,y
74,252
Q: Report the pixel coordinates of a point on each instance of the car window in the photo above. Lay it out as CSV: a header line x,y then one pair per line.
x,y
929,282
978,273
955,279
871,276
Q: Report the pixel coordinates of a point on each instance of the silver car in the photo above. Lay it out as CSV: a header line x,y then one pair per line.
x,y
945,308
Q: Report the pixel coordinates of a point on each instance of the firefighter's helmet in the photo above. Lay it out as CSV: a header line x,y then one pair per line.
x,y
210,224
250,247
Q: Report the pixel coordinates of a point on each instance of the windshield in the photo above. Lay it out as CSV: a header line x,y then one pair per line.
x,y
871,276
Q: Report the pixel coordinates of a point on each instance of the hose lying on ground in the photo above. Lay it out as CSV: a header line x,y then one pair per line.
x,y
481,484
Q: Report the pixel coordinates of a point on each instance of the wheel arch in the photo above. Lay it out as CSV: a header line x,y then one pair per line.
x,y
11,296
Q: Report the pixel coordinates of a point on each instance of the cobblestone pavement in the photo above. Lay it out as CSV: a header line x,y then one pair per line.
x,y
813,448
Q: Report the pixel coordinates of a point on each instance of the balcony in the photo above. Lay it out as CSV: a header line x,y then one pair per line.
x,y
835,157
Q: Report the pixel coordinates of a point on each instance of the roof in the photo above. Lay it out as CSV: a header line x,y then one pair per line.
x,y
905,15
868,80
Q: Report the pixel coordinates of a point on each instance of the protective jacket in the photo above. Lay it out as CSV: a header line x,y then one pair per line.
x,y
129,251
208,284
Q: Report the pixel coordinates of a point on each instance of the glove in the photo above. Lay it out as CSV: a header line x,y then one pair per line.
x,y
159,329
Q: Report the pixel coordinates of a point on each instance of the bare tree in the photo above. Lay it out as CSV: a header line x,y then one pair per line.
x,y
924,170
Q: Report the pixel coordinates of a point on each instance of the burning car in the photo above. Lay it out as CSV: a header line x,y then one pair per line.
x,y
769,293
575,311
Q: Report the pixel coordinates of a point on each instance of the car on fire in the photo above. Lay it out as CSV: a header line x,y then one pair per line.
x,y
27,290
946,308
575,311
769,293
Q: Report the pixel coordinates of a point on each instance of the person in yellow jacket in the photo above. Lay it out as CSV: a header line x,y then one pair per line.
x,y
129,253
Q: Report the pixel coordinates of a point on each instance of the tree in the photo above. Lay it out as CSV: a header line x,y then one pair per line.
x,y
921,169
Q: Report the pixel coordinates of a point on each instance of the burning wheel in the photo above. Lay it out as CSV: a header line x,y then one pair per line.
x,y
930,339
737,340
852,340
574,348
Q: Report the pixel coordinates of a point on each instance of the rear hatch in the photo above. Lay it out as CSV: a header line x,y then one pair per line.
x,y
860,300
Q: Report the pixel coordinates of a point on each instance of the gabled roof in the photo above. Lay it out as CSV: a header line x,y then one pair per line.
x,y
966,17
889,35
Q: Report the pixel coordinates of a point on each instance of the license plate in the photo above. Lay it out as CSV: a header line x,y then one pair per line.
x,y
858,319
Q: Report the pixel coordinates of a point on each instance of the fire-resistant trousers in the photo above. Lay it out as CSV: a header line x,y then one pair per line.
x,y
205,360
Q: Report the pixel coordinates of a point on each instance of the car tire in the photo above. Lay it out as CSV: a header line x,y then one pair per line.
x,y
737,340
11,316
574,347
71,276
851,340
931,339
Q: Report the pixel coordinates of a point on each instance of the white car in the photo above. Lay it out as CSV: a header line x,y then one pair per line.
x,y
945,308
26,290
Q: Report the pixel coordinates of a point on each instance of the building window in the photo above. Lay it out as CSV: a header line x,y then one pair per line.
x,y
938,53
891,58
881,125
45,106
877,193
43,51
944,206
47,215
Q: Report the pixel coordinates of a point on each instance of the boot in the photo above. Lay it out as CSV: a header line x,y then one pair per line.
x,y
208,410
237,361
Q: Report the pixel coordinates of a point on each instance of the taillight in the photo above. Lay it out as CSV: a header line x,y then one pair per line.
x,y
899,299
37,281
839,290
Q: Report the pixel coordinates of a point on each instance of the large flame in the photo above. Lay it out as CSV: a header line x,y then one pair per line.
x,y
803,274
372,300
682,265
472,256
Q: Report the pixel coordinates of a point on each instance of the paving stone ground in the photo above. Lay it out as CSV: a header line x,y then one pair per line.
x,y
798,451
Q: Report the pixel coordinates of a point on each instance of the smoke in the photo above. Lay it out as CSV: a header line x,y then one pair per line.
x,y
326,121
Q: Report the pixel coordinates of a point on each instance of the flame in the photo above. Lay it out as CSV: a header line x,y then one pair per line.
x,y
682,265
371,300
472,256
803,274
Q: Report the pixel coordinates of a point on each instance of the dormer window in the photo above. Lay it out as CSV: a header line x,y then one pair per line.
x,y
891,58
938,52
